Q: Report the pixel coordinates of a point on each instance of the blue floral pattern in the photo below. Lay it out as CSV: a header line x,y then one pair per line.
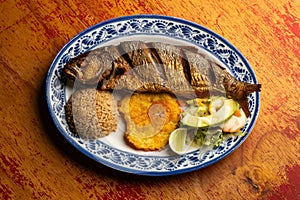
x,y
152,25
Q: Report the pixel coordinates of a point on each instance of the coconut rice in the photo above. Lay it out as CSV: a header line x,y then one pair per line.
x,y
91,113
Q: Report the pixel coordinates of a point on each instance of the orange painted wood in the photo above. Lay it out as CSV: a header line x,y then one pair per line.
x,y
37,163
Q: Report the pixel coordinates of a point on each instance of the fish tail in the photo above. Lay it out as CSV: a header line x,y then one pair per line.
x,y
252,88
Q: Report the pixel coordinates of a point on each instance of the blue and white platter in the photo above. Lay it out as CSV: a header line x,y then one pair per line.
x,y
111,150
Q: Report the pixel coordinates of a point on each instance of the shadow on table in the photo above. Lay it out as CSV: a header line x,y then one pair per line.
x,y
75,155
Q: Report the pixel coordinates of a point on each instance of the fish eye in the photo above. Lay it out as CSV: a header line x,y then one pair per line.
x,y
233,84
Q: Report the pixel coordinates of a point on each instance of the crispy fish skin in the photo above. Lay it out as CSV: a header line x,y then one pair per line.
x,y
157,68
199,69
145,66
175,67
119,67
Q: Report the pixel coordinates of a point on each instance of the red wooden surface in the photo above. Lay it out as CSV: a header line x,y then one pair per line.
x,y
37,163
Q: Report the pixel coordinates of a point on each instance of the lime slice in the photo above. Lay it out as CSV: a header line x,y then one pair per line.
x,y
177,140
221,115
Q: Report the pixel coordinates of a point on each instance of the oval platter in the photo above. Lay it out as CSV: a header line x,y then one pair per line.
x,y
112,150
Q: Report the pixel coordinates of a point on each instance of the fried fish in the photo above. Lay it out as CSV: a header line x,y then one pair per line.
x,y
157,67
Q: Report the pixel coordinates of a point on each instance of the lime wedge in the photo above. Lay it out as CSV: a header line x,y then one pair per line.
x,y
177,140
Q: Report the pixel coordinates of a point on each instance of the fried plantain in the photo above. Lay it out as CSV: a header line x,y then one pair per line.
x,y
150,118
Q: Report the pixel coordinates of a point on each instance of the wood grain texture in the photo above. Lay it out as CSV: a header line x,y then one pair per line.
x,y
37,163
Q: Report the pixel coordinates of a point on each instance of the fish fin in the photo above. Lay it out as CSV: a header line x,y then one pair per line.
x,y
212,75
244,101
244,105
221,67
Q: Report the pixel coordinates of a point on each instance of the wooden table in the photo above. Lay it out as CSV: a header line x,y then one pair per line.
x,y
37,163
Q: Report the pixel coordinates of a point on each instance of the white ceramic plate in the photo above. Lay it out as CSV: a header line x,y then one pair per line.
x,y
112,151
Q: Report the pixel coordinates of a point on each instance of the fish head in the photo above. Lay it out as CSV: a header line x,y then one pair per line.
x,y
72,69
89,68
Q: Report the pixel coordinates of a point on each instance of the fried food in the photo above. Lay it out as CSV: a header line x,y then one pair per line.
x,y
150,118
157,67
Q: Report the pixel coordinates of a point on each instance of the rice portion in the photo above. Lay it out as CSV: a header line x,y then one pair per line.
x,y
91,113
